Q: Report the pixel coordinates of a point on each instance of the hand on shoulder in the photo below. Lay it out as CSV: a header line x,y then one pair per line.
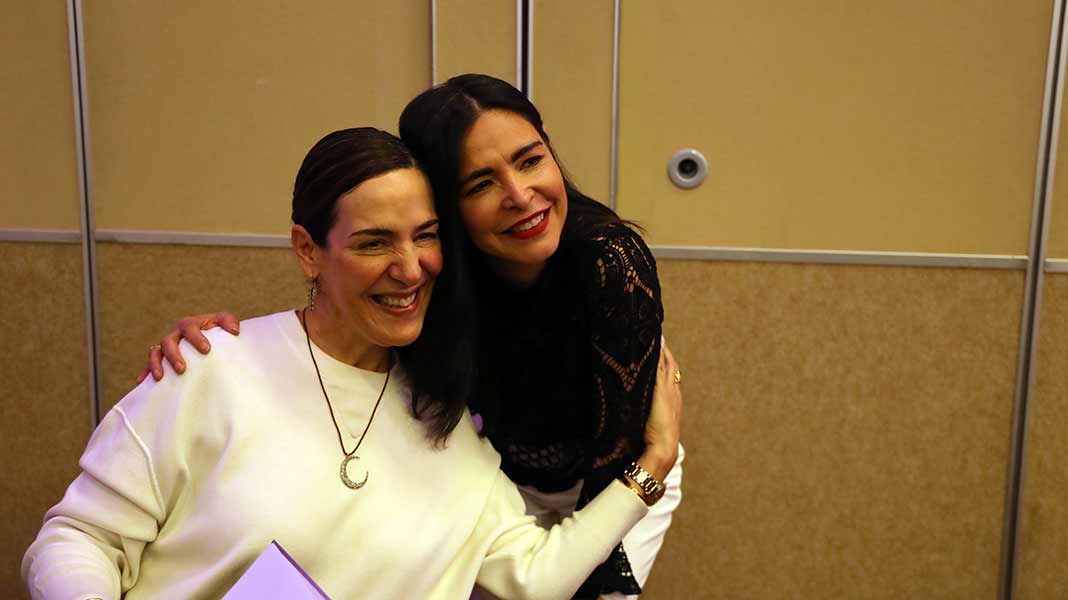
x,y
189,328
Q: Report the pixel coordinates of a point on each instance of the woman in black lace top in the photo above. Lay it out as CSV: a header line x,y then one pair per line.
x,y
560,358
569,319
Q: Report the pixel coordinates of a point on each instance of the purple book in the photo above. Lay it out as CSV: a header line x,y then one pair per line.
x,y
274,574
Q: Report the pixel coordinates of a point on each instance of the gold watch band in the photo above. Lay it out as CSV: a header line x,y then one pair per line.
x,y
639,492
643,483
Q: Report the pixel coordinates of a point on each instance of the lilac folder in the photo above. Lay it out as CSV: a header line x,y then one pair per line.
x,y
275,575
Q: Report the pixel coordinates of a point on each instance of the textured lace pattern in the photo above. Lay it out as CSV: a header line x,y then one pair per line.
x,y
625,337
573,364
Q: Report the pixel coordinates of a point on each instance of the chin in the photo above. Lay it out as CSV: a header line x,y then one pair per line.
x,y
404,338
542,252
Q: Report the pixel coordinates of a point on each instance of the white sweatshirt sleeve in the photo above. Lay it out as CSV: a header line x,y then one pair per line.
x,y
525,561
91,543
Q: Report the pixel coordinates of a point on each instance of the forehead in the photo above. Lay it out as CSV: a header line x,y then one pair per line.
x,y
396,199
495,133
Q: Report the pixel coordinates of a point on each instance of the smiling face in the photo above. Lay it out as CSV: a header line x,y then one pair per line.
x,y
380,261
512,197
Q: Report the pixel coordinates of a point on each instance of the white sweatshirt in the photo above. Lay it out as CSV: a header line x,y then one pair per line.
x,y
187,480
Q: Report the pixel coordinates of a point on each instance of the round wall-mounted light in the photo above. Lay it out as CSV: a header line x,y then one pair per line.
x,y
687,169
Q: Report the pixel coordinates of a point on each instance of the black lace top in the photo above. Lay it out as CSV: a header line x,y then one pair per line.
x,y
567,370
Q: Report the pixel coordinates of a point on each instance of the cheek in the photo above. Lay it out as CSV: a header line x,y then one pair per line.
x,y
558,187
355,276
477,216
432,262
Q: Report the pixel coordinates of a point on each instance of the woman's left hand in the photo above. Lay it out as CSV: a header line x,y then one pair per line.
x,y
662,428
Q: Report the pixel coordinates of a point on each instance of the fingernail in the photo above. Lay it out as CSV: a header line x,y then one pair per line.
x,y
180,367
157,375
140,378
203,347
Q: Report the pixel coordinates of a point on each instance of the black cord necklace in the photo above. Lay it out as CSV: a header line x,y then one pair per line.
x,y
349,456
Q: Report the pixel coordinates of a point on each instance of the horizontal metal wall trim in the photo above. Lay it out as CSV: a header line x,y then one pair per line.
x,y
840,257
190,238
709,253
1057,265
48,236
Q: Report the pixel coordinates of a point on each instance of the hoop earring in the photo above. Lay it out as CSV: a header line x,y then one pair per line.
x,y
313,292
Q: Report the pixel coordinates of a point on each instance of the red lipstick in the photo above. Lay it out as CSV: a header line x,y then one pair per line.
x,y
533,231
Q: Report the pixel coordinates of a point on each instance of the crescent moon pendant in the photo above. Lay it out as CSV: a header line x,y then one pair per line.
x,y
345,473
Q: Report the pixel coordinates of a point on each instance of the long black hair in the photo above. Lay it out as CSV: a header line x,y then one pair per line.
x,y
434,125
335,165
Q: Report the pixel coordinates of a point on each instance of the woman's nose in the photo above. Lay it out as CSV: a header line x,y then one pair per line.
x,y
517,194
407,269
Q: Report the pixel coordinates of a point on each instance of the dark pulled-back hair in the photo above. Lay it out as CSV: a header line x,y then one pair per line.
x,y
434,125
334,166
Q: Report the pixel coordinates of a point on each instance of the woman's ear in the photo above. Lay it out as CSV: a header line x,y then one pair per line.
x,y
309,254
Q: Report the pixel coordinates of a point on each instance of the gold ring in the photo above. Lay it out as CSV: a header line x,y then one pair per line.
x,y
678,376
155,347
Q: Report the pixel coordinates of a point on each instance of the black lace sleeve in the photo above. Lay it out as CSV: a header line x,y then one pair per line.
x,y
625,316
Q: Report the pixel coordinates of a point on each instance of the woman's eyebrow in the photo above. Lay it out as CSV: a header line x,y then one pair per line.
x,y
475,175
427,225
525,149
378,231
486,170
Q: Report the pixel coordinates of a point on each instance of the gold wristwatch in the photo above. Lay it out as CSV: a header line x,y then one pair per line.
x,y
649,489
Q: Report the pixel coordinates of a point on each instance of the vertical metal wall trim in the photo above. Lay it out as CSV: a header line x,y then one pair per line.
x,y
433,43
528,49
1025,368
524,44
76,33
519,43
613,167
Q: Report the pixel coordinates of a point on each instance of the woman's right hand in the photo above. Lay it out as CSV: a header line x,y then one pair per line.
x,y
189,328
662,427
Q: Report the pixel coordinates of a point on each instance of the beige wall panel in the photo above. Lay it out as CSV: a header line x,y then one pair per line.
x,y
38,164
201,112
1058,239
572,86
1043,547
1058,226
476,36
846,430
44,421
145,289
897,126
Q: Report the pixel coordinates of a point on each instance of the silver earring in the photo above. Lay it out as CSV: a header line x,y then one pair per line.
x,y
313,291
